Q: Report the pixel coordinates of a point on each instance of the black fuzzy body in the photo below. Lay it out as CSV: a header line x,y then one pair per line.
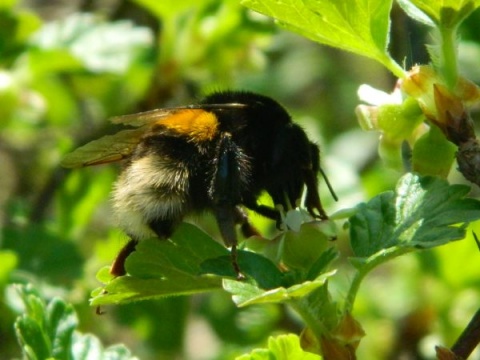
x,y
256,147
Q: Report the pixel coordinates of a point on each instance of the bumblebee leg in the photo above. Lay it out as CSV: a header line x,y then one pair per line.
x,y
226,222
246,227
225,188
312,199
163,229
118,266
266,211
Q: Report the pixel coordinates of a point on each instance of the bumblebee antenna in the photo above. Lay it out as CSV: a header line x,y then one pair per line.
x,y
335,197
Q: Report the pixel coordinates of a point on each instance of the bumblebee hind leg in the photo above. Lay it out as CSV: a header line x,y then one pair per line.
x,y
162,228
227,219
118,266
231,174
225,216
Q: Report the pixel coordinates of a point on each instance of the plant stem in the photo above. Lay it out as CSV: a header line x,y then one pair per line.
x,y
363,270
396,69
352,292
449,66
313,322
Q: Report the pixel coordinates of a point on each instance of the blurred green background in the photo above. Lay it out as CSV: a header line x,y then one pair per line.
x,y
67,66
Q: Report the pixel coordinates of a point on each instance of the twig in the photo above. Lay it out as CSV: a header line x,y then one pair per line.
x,y
469,338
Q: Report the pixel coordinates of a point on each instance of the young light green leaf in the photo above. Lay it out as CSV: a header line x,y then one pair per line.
x,y
283,347
61,325
422,213
245,293
415,13
446,13
48,331
31,327
30,336
89,347
359,26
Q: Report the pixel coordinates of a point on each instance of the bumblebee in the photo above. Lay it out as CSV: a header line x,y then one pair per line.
x,y
218,155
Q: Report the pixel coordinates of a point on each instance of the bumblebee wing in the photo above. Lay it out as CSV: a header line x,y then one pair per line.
x,y
157,115
145,118
109,148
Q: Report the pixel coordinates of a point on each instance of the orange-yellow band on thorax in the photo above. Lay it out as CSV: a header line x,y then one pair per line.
x,y
196,123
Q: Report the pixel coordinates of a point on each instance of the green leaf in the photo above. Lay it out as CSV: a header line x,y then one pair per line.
x,y
90,347
192,262
42,252
48,331
245,293
30,335
87,347
166,8
165,268
61,325
109,47
415,13
260,269
79,197
283,347
359,26
17,27
302,248
445,13
422,213
322,262
9,261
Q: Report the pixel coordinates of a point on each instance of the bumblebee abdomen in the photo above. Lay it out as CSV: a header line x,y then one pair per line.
x,y
166,178
151,188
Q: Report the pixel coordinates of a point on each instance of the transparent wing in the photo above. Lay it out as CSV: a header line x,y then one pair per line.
x,y
153,116
116,147
109,148
145,118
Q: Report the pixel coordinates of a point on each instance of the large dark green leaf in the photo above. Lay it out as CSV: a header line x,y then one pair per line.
x,y
165,268
423,212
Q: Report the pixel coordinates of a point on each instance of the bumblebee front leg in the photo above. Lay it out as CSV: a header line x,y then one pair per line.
x,y
266,211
